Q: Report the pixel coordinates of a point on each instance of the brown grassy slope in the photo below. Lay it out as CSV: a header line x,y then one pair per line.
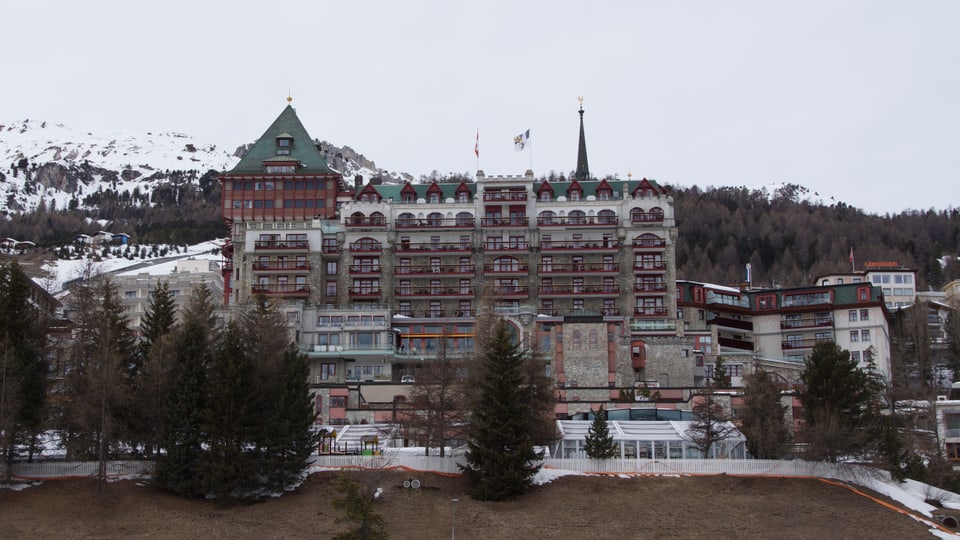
x,y
569,507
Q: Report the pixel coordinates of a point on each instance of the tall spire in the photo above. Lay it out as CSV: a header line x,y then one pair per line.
x,y
583,170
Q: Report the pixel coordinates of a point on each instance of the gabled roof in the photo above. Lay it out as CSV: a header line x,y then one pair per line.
x,y
303,149
447,191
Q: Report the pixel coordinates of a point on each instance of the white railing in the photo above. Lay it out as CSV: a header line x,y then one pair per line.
x,y
392,459
653,467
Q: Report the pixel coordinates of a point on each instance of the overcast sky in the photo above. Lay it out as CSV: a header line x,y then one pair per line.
x,y
857,100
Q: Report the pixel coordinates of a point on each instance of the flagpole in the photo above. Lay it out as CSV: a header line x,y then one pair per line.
x,y
531,155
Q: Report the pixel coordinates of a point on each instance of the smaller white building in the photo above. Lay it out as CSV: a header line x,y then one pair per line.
x,y
638,439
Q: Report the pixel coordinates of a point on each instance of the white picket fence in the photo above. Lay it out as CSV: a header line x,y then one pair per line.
x,y
451,465
631,467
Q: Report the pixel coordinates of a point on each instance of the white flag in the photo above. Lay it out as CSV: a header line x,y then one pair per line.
x,y
520,141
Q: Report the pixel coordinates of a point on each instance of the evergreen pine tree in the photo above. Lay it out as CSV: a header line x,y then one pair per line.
x,y
230,464
501,459
763,420
357,506
182,431
599,444
22,364
153,372
289,439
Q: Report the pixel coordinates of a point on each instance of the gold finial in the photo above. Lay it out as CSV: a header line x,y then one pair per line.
x,y
289,99
629,175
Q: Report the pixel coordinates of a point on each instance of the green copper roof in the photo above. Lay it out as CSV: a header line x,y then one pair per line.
x,y
447,191
302,148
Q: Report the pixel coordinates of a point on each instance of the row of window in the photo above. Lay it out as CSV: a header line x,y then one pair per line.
x,y
288,185
287,203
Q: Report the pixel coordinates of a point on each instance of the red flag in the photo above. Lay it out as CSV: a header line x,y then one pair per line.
x,y
851,254
476,147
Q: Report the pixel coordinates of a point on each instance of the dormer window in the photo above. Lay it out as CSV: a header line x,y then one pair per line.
x,y
284,142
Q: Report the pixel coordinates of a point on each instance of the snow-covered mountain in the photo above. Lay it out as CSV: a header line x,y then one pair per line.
x,y
59,165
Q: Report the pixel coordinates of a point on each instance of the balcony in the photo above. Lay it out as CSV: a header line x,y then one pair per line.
x,y
581,246
435,314
577,221
275,266
364,270
549,291
281,245
434,292
506,196
443,269
431,247
727,322
806,322
366,247
510,291
649,245
504,269
364,292
654,311
365,222
733,343
512,221
298,290
435,223
501,247
650,288
793,344
641,218
650,267
576,269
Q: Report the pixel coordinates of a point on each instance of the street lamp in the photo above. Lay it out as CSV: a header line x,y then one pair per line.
x,y
453,519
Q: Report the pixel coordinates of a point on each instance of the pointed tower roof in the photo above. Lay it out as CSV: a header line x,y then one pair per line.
x,y
583,170
299,148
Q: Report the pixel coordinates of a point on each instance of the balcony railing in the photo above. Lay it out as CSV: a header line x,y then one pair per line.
x,y
434,313
579,268
357,269
577,221
432,247
580,245
365,221
730,323
282,289
644,244
492,247
364,292
363,247
281,244
431,292
513,221
650,267
505,269
436,223
816,322
647,217
275,266
583,290
733,343
505,196
650,288
657,311
511,290
802,343
434,270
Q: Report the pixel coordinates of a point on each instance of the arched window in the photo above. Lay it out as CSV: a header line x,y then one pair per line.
x,y
606,217
406,219
576,339
434,219
464,219
577,217
655,214
547,217
377,218
357,218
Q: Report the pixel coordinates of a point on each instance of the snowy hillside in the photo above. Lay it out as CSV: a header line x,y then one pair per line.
x,y
61,165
